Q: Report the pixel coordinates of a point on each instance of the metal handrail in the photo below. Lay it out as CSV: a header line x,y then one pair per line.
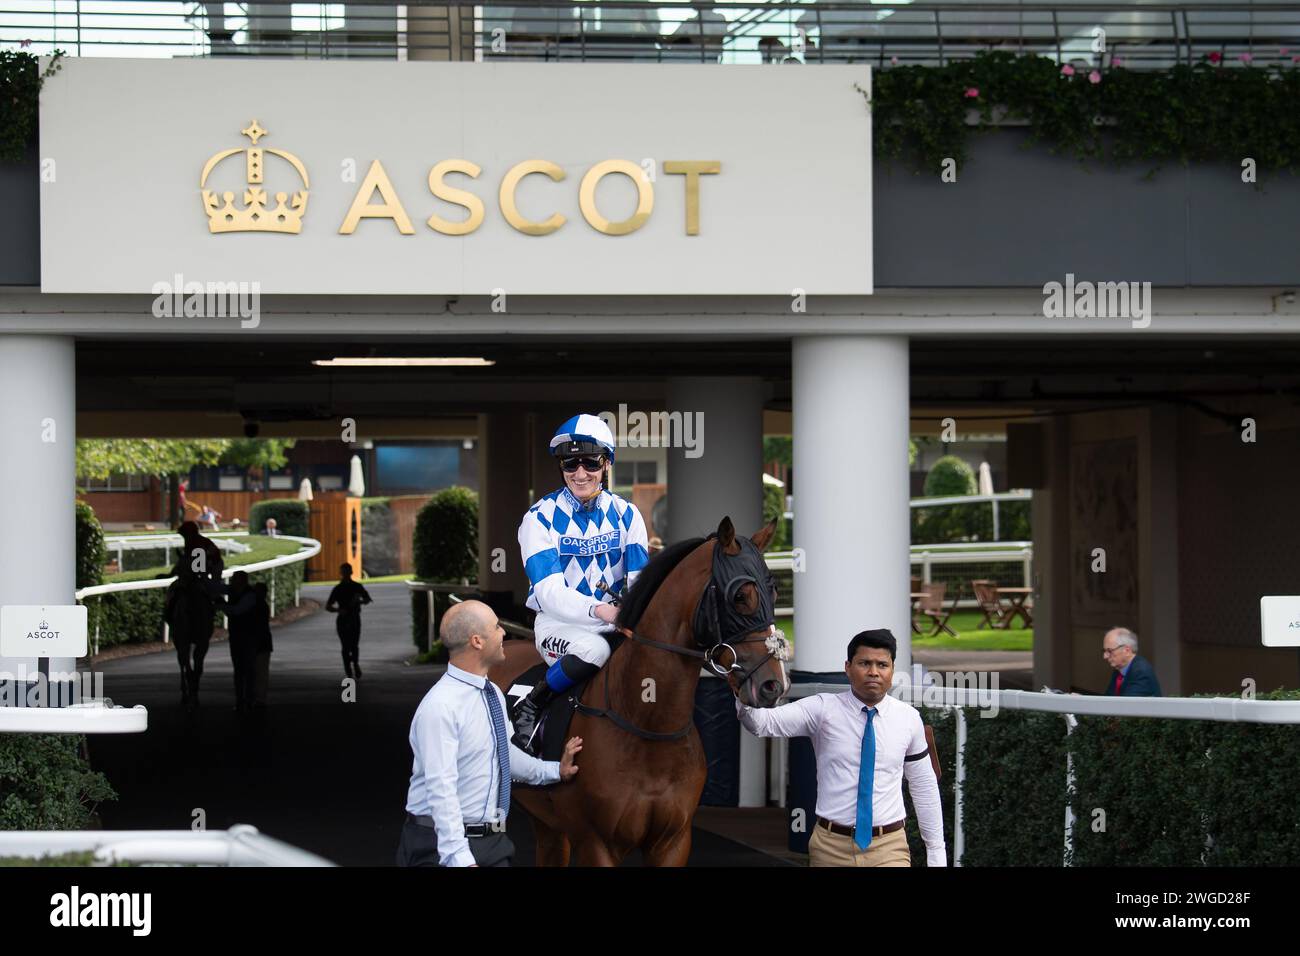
x,y
241,845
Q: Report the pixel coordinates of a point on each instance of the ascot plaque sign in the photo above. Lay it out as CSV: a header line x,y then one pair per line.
x,y
456,178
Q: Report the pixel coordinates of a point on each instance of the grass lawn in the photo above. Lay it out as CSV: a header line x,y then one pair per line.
x,y
963,622
262,548
382,579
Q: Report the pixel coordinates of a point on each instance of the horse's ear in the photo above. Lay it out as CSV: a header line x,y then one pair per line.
x,y
764,535
727,536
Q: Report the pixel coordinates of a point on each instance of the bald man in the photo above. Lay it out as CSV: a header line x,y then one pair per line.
x,y
459,794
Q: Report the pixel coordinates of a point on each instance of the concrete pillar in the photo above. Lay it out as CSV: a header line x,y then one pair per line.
x,y
1050,511
503,500
723,474
38,413
439,33
1158,637
850,395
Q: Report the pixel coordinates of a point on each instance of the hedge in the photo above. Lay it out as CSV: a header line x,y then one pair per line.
x,y
445,547
1146,792
290,514
47,784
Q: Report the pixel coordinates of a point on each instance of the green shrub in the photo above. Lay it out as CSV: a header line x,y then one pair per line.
x,y
46,783
774,509
290,514
950,475
91,555
445,550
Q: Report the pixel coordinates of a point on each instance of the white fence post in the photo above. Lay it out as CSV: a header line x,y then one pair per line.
x,y
1068,859
272,594
959,791
996,535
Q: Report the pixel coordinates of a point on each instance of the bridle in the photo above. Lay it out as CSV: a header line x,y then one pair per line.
x,y
716,608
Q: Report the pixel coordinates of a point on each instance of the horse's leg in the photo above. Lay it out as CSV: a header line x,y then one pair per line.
x,y
552,845
183,658
670,849
592,851
200,652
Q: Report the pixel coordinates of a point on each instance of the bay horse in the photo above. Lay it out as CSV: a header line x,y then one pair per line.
x,y
642,762
191,619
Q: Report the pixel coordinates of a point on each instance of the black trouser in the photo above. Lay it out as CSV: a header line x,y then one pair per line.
x,y
349,628
245,661
419,847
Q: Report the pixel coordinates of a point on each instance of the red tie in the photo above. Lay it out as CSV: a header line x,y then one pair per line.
x,y
1119,681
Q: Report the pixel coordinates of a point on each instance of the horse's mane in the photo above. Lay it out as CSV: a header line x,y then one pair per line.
x,y
637,599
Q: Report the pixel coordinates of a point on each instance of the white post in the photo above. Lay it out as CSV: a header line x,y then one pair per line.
x,y
272,589
850,397
1070,724
996,535
1029,572
38,419
925,567
959,793
167,633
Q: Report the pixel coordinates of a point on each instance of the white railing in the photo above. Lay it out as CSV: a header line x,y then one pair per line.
x,y
86,717
309,548
241,845
168,541
1222,709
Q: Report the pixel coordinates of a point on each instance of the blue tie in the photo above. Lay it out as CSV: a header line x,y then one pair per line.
x,y
866,777
503,748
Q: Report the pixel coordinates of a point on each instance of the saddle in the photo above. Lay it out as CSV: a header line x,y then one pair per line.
x,y
553,727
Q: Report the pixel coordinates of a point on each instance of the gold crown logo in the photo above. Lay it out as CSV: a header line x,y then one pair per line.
x,y
225,216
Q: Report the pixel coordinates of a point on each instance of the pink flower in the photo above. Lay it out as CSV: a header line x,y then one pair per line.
x,y
1067,70
1283,52
972,92
24,42
893,61
1216,56
1245,58
1116,60
1094,77
1295,59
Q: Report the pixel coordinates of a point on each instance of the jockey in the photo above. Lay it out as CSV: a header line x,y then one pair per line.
x,y
582,547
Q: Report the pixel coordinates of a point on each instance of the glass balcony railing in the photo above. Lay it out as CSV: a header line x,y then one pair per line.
x,y
1145,35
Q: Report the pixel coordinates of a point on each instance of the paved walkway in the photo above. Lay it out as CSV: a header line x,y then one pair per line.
x,y
319,773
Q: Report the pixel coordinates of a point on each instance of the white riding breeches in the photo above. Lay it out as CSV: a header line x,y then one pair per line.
x,y
554,639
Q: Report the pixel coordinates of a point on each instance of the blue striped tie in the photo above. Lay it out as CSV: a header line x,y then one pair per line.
x,y
866,777
503,748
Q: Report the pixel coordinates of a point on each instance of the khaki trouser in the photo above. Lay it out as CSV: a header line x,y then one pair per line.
x,y
831,849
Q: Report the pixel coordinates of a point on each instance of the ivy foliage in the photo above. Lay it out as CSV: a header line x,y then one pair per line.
x,y
20,87
1204,112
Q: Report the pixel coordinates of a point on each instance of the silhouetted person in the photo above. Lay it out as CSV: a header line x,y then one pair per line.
x,y
244,622
262,682
347,598
198,566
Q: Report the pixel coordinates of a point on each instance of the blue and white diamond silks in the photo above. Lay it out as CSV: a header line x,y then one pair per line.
x,y
573,553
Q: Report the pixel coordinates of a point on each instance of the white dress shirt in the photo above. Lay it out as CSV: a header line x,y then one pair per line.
x,y
836,723
454,776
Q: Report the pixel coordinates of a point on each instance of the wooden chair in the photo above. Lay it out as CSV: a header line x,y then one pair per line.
x,y
932,607
986,593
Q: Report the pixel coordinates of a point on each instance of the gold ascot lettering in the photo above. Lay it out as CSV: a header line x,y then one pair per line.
x,y
645,197
392,209
390,205
460,197
692,170
507,197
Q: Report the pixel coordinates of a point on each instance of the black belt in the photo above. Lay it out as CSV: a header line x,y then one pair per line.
x,y
850,831
471,829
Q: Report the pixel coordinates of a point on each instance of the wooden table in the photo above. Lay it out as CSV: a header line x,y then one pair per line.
x,y
1017,598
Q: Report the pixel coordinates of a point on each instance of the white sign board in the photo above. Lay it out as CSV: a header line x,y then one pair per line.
x,y
1280,621
33,630
347,177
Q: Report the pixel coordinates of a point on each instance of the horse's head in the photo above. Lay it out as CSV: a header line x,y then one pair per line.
x,y
736,620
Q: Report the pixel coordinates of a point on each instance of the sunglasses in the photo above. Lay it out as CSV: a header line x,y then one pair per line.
x,y
570,465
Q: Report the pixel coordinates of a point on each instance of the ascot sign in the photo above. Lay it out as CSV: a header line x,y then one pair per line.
x,y
540,179
224,216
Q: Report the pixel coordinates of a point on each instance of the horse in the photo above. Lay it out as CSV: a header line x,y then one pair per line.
x,y
190,619
642,762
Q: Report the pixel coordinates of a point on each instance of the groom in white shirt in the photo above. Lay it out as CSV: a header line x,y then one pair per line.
x,y
866,742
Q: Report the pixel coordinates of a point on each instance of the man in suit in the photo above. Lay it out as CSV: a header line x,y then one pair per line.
x,y
1134,676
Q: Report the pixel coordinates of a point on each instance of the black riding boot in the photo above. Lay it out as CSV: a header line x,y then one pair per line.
x,y
527,713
